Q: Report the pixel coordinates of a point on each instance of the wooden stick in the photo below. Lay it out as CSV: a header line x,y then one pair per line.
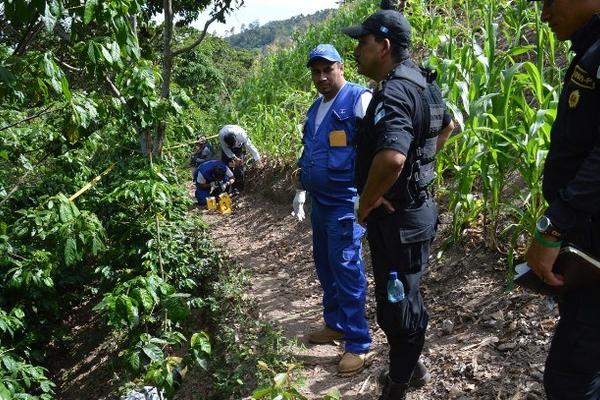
x,y
91,183
188,143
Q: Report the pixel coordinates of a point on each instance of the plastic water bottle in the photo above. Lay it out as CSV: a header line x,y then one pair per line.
x,y
395,288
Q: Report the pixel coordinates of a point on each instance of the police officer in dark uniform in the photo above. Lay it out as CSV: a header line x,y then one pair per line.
x,y
405,125
571,185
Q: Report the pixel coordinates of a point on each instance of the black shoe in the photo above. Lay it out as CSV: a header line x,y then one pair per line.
x,y
419,378
393,391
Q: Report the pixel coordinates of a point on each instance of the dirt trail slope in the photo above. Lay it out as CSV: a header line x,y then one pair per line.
x,y
482,342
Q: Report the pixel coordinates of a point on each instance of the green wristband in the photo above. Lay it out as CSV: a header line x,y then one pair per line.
x,y
545,242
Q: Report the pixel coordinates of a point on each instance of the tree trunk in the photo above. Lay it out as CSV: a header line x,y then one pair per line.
x,y
166,75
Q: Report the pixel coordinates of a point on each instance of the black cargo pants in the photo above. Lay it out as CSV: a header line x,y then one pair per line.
x,y
573,363
401,242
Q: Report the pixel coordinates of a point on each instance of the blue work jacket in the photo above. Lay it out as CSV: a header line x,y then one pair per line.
x,y
327,161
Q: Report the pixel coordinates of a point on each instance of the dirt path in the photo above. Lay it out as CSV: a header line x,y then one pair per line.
x,y
482,342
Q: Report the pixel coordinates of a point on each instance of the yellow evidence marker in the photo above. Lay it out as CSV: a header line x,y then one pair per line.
x,y
211,203
224,206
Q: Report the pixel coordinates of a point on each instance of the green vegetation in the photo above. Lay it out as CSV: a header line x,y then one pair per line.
x,y
93,206
87,212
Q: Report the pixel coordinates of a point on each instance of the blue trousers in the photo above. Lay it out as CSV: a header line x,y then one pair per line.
x,y
338,260
201,196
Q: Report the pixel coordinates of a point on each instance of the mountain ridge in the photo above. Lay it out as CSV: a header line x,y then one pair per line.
x,y
274,33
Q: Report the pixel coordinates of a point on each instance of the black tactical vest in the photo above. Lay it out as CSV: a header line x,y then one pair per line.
x,y
419,169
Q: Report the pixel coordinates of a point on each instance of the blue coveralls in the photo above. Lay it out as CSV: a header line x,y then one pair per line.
x,y
206,169
327,173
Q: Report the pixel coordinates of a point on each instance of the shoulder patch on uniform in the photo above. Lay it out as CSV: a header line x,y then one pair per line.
x,y
379,113
574,98
581,78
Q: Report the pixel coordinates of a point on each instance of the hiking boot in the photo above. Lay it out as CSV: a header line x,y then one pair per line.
x,y
419,378
325,335
351,363
393,391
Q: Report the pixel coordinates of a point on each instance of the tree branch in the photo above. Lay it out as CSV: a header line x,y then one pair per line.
x,y
114,89
44,111
198,41
67,66
33,29
22,180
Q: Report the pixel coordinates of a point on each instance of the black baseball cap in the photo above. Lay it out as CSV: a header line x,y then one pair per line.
x,y
390,24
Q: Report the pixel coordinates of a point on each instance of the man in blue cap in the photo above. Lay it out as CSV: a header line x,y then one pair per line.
x,y
571,186
327,173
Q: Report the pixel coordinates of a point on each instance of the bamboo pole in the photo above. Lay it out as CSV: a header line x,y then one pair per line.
x,y
188,143
91,183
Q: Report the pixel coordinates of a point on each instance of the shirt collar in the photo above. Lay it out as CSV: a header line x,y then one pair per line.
x,y
587,35
406,62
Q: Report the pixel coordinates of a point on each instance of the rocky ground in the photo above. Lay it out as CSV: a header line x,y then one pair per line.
x,y
483,342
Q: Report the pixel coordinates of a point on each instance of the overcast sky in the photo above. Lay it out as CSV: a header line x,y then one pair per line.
x,y
265,11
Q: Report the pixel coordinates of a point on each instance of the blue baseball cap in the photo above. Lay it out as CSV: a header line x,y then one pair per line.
x,y
324,51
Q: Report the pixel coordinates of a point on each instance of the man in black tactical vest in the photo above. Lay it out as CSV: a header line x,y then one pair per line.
x,y
571,187
405,125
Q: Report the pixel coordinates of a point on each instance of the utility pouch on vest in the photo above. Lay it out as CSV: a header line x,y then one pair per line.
x,y
337,139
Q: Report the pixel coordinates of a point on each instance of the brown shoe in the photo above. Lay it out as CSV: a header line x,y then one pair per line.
x,y
325,335
352,363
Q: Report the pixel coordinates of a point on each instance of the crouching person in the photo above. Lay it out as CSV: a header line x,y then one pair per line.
x,y
212,178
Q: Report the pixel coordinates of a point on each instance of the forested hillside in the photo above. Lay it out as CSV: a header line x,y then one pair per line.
x,y
99,109
277,33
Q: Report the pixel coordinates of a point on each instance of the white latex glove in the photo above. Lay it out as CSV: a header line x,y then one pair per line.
x,y
356,200
298,204
213,186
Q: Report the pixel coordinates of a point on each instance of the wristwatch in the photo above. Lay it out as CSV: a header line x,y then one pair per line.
x,y
545,226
